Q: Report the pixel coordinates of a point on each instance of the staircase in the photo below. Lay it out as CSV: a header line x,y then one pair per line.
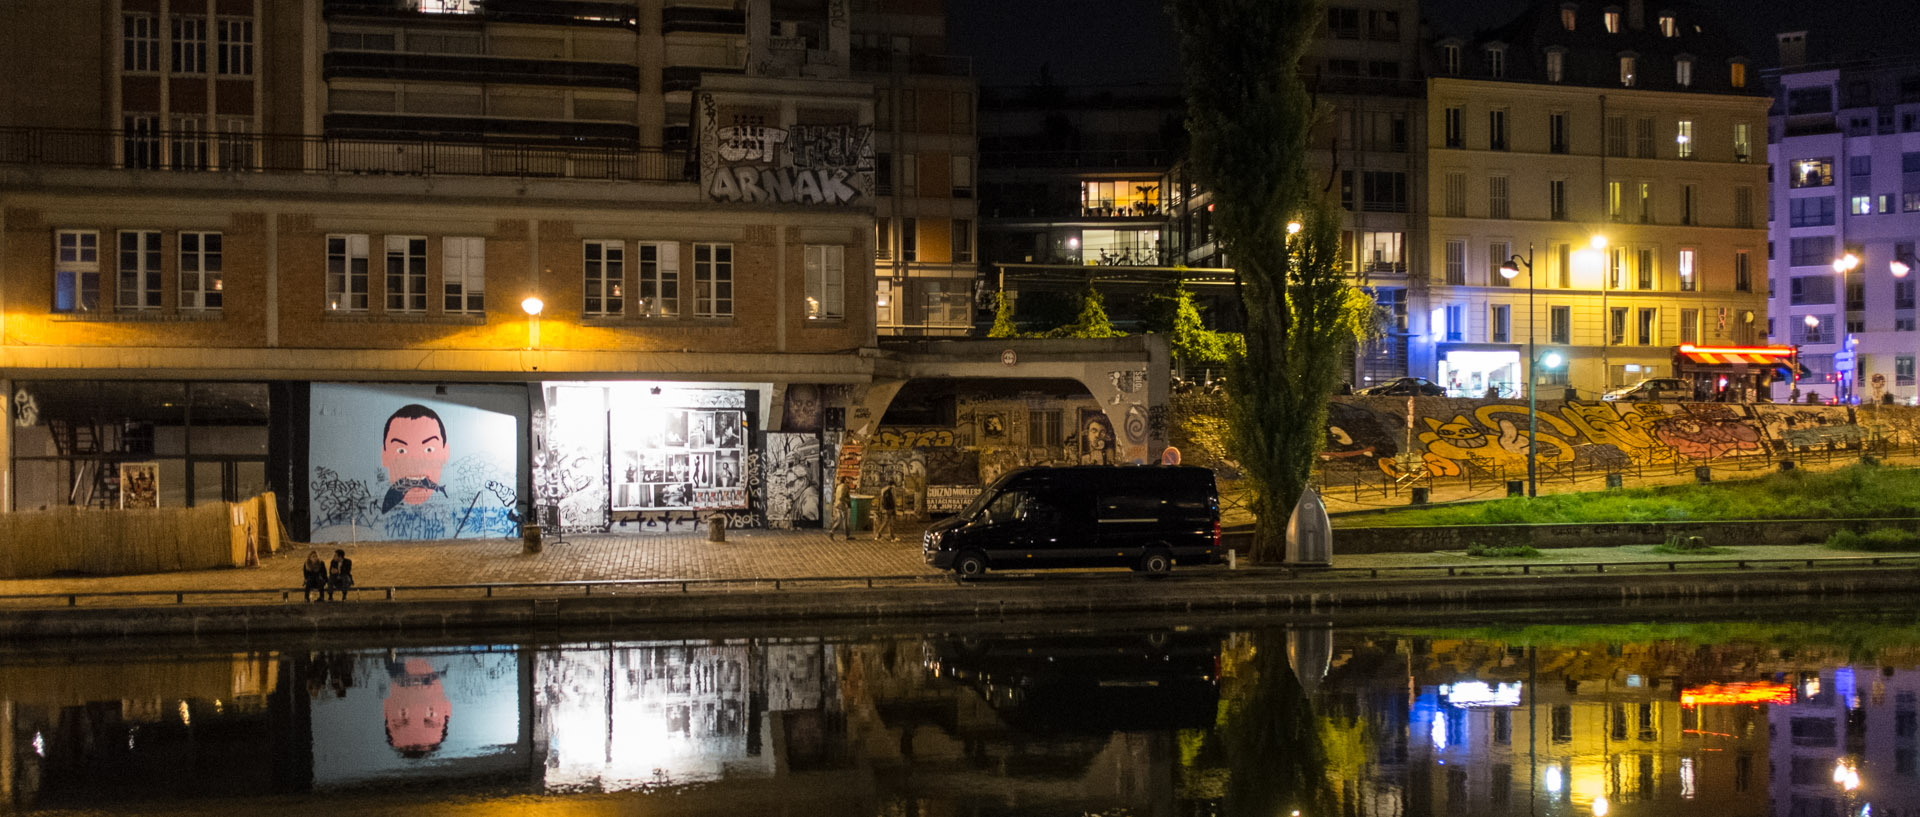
x,y
89,454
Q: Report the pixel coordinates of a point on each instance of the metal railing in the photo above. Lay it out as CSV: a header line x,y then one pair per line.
x,y
202,152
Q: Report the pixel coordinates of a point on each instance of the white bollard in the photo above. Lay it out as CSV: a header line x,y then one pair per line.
x,y
1233,560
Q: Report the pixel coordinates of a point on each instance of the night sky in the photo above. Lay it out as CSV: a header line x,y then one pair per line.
x,y
1127,42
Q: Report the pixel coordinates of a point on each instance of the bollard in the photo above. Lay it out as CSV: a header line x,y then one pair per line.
x,y
1702,473
530,538
1786,465
717,528
1419,495
1233,560
1613,481
1516,487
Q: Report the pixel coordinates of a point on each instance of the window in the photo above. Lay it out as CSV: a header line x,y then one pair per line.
x,y
1812,251
236,47
1811,289
1683,139
1689,326
189,45
236,143
1646,202
1557,199
883,302
139,43
883,238
1556,65
604,278
1456,194
1383,191
1910,202
463,275
1043,428
1809,100
963,111
1497,129
1567,14
1560,324
1738,74
1496,62
1811,173
909,239
1820,332
658,265
909,174
406,273
1646,270
347,273
200,284
76,271
1648,326
826,282
1616,136
1668,26
1903,376
947,302
1683,72
1742,142
1742,272
962,177
713,280
1497,257
1381,252
1563,265
1456,262
1450,55
883,174
1627,70
1343,23
139,270
140,141
1743,207
1810,212
1557,132
1611,17
1861,206
1502,320
963,240
1454,137
1617,326
1383,26
1643,137
187,145
1617,268
1686,271
1856,292
1689,194
1456,322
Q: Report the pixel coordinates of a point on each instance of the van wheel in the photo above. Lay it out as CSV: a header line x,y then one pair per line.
x,y
1157,562
971,565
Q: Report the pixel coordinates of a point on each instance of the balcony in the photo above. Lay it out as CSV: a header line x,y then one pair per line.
x,y
337,154
534,12
684,19
687,77
494,70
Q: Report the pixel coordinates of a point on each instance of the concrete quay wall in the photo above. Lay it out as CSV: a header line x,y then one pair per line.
x,y
984,600
1734,533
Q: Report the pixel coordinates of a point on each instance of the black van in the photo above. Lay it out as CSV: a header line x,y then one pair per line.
x,y
1143,517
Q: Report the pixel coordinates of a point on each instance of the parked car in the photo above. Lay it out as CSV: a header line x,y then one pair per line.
x,y
1653,388
1144,517
1406,387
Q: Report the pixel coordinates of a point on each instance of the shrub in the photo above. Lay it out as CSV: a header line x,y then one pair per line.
x,y
1877,540
1503,551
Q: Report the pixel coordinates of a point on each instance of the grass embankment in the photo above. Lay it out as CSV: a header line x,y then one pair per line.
x,y
1856,491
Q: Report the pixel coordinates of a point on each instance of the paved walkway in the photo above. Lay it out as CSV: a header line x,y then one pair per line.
x,y
745,555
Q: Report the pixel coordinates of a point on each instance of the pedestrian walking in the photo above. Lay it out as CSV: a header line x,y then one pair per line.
x,y
339,575
313,575
842,509
883,512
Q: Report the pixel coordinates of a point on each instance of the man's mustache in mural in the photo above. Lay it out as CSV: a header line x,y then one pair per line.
x,y
397,492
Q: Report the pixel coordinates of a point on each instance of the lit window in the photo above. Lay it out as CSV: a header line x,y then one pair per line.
x,y
139,269
1567,16
200,284
1862,205
347,273
1683,139
1668,26
463,274
1742,142
1612,18
1739,74
1626,71
826,282
659,270
1686,270
604,278
1683,72
447,6
1811,173
76,271
1556,66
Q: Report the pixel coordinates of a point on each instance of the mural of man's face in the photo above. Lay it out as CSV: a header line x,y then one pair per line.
x,y
413,453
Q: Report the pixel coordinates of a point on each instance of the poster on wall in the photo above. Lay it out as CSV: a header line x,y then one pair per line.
x,y
792,479
407,462
139,485
570,457
677,448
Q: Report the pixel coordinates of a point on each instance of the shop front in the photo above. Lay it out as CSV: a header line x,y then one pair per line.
x,y
1734,374
1479,372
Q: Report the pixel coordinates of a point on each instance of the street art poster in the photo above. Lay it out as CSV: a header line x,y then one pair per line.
x,y
677,449
903,468
139,485
415,716
792,473
802,408
745,160
1097,441
570,457
415,462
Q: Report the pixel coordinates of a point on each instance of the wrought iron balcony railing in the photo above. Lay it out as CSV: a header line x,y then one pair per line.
x,y
203,152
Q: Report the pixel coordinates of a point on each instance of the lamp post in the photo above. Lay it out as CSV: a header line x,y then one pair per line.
x,y
1846,263
1509,271
1900,266
532,306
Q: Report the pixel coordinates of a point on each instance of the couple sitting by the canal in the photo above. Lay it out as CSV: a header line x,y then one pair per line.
x,y
327,577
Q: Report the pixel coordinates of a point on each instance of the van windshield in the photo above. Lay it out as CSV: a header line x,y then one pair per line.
x,y
986,494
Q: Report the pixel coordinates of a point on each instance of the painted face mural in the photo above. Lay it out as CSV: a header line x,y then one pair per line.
x,y
413,450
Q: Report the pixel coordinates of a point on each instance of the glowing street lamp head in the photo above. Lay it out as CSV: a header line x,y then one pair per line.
x,y
1552,360
1293,228
1813,321
1899,267
1599,242
533,305
1509,271
1846,262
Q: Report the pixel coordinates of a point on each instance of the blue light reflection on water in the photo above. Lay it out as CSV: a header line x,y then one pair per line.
x,y
1186,721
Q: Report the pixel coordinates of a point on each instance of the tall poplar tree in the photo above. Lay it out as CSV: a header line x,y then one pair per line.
x,y
1249,118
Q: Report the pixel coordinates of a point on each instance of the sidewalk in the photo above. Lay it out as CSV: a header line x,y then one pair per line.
x,y
745,555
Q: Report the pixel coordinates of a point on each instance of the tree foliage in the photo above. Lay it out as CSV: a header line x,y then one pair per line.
x,y
1003,323
1249,117
1092,322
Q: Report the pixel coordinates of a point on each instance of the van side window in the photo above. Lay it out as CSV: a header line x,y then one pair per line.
x,y
1127,505
1024,506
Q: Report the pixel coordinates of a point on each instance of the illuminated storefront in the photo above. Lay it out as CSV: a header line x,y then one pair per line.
x,y
1471,372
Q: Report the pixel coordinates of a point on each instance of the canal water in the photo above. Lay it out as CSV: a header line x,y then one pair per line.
x,y
1816,718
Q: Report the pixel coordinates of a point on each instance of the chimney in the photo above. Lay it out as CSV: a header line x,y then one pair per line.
x,y
1636,14
1793,48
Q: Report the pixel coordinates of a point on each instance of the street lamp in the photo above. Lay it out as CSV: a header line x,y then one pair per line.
x,y
1900,266
532,306
1509,271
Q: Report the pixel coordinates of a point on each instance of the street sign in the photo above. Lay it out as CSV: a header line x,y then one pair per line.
x,y
1843,361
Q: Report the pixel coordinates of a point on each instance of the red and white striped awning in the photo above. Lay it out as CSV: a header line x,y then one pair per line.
x,y
1737,355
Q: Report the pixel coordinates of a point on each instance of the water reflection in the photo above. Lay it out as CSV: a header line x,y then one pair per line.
x,y
1708,720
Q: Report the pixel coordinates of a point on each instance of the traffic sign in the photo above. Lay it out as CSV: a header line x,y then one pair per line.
x,y
1843,361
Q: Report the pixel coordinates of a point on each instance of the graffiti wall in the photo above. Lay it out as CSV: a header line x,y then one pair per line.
x,y
744,159
1444,437
415,461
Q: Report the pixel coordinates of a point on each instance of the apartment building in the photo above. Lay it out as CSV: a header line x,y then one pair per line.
x,y
1616,147
1845,218
432,268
